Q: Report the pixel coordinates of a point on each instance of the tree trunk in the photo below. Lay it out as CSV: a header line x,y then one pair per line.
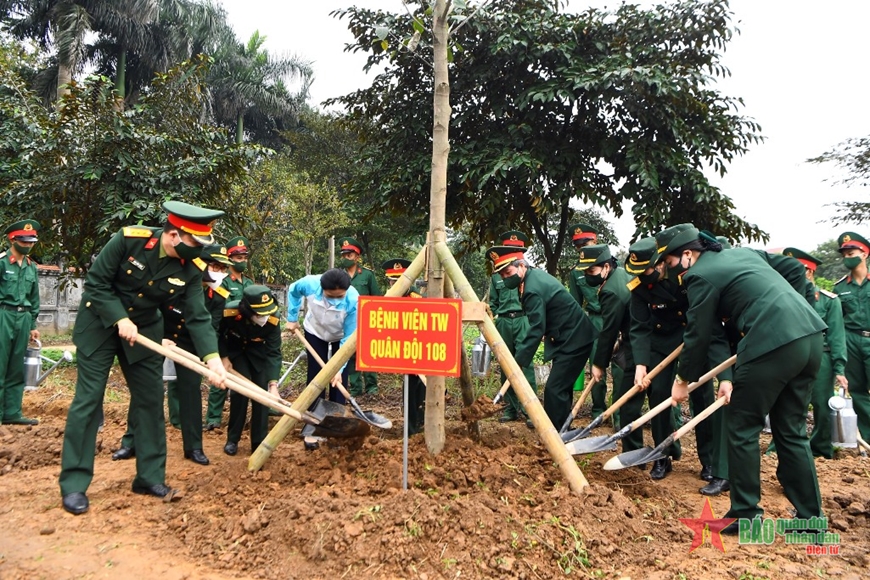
x,y
64,77
437,204
121,74
240,128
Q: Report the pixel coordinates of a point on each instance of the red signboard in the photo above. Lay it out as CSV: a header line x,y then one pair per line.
x,y
409,335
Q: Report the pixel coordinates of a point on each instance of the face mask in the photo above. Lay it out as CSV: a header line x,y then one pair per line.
x,y
674,272
594,280
333,301
849,263
346,263
240,266
513,282
648,278
23,250
186,252
216,279
260,320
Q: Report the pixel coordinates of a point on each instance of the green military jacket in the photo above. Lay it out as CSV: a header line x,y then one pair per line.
x,y
19,285
261,345
585,295
658,318
793,271
174,327
501,298
129,279
553,314
740,285
236,285
364,281
615,300
828,307
855,301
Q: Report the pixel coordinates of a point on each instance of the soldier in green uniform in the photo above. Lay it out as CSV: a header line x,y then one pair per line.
x,y
583,235
854,293
238,250
777,362
555,317
250,339
365,283
394,269
614,341
19,308
833,366
511,323
138,270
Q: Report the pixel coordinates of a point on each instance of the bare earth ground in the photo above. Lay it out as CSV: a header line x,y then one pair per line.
x,y
495,509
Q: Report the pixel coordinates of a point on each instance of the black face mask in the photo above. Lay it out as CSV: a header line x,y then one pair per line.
x,y
186,252
648,278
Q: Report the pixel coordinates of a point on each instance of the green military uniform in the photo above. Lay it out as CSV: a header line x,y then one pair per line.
x,y
19,308
365,283
255,352
615,300
778,359
555,317
416,389
131,279
511,323
855,300
235,284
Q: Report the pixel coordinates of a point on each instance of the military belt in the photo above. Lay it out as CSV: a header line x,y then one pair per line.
x,y
864,333
514,314
13,308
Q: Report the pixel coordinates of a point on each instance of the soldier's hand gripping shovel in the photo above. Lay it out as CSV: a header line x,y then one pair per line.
x,y
369,417
608,442
568,436
646,455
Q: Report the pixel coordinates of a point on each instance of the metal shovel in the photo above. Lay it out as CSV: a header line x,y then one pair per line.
x,y
647,455
335,421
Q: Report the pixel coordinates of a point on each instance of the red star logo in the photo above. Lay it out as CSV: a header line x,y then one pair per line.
x,y
707,525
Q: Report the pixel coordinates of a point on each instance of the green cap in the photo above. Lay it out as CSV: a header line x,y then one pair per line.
x,y
582,234
641,255
514,238
196,221
24,231
673,238
216,253
350,245
849,240
396,267
726,245
260,299
238,245
802,257
593,255
502,256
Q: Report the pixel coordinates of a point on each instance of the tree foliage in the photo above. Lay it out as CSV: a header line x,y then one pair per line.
x,y
853,156
604,107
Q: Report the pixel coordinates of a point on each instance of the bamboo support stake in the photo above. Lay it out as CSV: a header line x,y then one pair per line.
x,y
465,385
544,428
313,390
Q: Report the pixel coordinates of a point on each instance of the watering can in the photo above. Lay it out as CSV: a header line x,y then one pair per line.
x,y
844,421
33,365
481,357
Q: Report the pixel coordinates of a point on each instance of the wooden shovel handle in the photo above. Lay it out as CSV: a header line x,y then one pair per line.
x,y
636,388
720,402
582,399
316,356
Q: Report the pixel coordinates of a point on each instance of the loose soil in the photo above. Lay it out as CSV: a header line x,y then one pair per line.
x,y
497,508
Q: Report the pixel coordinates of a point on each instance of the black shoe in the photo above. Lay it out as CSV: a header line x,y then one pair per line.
x,y
231,448
20,421
124,453
715,487
212,426
661,467
731,529
707,472
75,503
157,490
530,425
197,456
508,416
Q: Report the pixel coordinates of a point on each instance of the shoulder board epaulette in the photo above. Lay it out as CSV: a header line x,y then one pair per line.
x,y
199,263
414,295
223,292
231,312
273,320
131,232
841,279
827,293
632,284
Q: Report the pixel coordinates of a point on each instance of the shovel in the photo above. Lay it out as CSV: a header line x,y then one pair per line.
x,y
482,407
607,443
369,417
646,455
335,421
576,409
583,432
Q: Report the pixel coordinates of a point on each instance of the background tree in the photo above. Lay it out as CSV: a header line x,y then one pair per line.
x,y
831,267
603,107
853,156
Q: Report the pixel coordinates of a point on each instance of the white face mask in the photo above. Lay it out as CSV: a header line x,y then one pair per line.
x,y
217,278
260,320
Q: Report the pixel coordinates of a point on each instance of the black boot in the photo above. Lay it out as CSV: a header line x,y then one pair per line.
x,y
715,487
661,468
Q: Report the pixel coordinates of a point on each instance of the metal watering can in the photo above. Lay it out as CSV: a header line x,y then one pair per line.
x,y
844,430
33,365
481,358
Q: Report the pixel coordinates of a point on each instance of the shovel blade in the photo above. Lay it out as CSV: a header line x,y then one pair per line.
x,y
591,445
632,458
341,427
374,419
323,408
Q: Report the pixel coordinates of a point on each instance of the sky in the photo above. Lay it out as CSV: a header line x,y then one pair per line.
x,y
799,66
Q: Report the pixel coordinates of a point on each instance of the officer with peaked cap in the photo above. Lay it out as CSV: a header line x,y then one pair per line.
x,y
250,339
854,292
511,322
139,270
19,308
555,317
777,362
363,279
